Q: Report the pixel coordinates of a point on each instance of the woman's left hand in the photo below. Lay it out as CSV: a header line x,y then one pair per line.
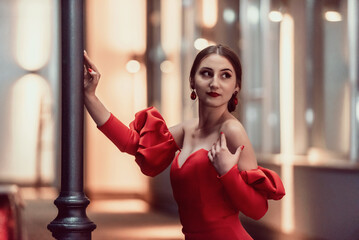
x,y
222,159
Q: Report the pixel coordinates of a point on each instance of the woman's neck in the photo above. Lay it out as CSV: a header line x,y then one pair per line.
x,y
211,118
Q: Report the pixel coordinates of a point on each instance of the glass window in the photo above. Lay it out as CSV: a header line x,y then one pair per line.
x,y
329,95
298,96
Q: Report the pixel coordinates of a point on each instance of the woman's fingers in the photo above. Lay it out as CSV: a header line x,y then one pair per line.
x,y
92,72
213,150
88,62
223,140
212,153
218,145
239,151
220,156
210,156
87,75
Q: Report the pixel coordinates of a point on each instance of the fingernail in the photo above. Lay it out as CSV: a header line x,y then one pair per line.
x,y
90,70
221,132
242,147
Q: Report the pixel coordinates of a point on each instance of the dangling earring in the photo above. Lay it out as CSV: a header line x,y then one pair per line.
x,y
193,95
235,99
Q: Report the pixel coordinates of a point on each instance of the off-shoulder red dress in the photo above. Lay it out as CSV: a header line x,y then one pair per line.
x,y
208,204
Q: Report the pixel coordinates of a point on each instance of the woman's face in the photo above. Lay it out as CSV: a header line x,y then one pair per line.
x,y
215,81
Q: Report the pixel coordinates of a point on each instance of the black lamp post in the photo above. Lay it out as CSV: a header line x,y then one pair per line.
x,y
72,221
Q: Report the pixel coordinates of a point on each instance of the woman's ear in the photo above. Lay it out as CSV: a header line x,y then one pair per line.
x,y
191,82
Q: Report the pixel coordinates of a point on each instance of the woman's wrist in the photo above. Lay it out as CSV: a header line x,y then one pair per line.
x,y
223,170
96,109
90,97
228,172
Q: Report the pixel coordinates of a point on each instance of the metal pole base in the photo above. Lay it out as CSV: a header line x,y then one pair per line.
x,y
71,222
72,235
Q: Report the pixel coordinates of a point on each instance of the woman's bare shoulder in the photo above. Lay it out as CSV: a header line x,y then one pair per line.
x,y
190,124
178,131
232,126
235,133
236,136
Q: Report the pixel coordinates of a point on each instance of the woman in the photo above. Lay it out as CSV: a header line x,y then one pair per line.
x,y
214,175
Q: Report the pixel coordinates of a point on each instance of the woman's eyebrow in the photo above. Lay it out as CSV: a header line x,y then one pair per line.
x,y
206,68
222,70
226,69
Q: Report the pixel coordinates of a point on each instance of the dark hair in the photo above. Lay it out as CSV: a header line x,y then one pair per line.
x,y
232,58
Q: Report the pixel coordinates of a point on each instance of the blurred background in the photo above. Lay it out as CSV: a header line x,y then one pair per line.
x,y
299,104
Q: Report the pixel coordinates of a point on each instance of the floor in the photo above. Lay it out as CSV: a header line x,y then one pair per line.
x,y
121,219
127,219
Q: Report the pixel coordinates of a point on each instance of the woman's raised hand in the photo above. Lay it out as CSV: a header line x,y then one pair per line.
x,y
96,109
222,159
91,75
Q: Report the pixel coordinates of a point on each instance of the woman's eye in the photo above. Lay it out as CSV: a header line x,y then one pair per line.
x,y
226,75
206,74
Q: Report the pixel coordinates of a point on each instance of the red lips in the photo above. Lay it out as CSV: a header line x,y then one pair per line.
x,y
213,94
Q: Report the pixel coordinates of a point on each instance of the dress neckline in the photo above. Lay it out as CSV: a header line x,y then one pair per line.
x,y
189,156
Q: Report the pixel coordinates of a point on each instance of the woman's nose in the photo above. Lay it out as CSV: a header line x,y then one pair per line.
x,y
214,82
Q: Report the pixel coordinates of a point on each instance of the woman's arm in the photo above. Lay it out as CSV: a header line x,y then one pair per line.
x,y
236,136
177,132
94,106
238,151
244,197
147,137
229,159
124,138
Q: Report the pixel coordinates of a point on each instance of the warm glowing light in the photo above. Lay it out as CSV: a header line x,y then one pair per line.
x,y
139,88
253,14
287,86
119,206
333,16
287,118
201,43
170,26
209,13
126,26
229,15
116,34
133,66
275,16
171,82
309,116
33,33
166,66
171,91
31,127
288,200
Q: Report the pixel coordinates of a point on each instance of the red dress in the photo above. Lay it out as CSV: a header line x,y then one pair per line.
x,y
208,204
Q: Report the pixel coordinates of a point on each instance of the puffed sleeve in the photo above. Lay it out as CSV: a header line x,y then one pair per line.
x,y
265,181
147,138
250,190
